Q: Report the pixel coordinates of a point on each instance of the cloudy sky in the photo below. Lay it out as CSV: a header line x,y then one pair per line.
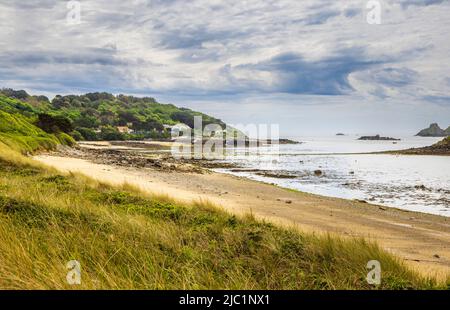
x,y
313,66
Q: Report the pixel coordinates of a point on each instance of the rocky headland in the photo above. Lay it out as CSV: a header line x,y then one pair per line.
x,y
440,148
434,131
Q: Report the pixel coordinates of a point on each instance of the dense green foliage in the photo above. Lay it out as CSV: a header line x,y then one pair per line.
x,y
54,123
19,122
18,132
96,116
12,105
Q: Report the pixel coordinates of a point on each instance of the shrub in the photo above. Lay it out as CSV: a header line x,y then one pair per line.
x,y
65,139
110,133
54,123
88,134
77,135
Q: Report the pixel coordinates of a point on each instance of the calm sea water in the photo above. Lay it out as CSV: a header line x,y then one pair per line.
x,y
416,183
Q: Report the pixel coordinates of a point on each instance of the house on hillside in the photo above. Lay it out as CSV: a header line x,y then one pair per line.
x,y
124,129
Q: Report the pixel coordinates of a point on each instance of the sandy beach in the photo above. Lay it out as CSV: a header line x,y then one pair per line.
x,y
421,240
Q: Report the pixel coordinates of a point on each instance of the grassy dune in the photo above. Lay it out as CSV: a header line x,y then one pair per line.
x,y
125,239
17,132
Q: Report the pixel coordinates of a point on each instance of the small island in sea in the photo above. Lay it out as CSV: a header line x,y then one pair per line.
x,y
288,141
378,138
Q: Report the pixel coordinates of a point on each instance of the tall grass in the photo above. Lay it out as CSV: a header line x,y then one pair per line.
x,y
128,240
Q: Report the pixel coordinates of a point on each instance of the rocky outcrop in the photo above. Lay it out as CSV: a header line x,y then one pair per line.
x,y
378,138
434,131
440,148
288,141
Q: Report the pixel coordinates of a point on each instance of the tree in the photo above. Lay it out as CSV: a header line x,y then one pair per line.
x,y
110,133
126,117
87,121
99,96
42,99
154,125
18,94
77,135
88,134
184,117
60,102
148,125
54,123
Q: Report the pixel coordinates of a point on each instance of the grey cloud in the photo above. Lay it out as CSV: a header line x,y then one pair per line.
x,y
95,56
408,3
321,17
395,77
194,37
328,76
65,80
50,70
352,12
35,4
439,100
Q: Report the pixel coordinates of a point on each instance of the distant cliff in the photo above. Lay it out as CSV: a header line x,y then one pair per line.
x,y
434,131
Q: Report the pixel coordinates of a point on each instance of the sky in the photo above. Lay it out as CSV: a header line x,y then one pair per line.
x,y
311,66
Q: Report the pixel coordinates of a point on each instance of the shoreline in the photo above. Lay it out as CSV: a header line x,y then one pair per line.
x,y
421,240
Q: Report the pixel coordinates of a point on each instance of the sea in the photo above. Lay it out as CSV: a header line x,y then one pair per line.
x,y
340,166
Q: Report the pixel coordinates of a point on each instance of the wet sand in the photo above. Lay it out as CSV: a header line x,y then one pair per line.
x,y
421,240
